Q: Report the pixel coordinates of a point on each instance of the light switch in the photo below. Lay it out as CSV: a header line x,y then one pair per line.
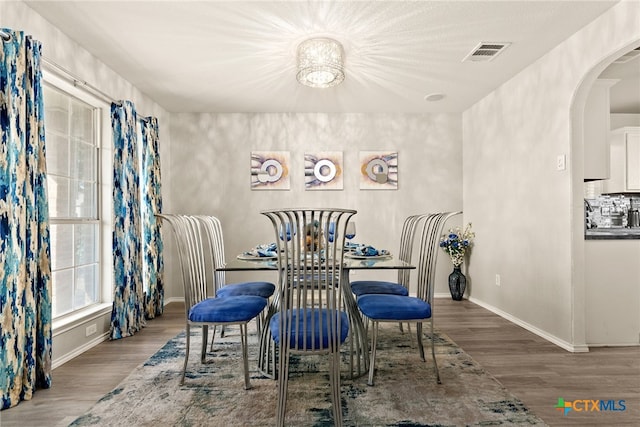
x,y
561,162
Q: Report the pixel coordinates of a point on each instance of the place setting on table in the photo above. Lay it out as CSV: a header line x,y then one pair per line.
x,y
261,252
352,250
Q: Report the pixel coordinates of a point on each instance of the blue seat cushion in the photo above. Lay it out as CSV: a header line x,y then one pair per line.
x,y
362,287
261,289
225,310
393,307
313,335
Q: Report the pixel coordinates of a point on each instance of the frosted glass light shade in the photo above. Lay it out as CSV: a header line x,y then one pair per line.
x,y
320,63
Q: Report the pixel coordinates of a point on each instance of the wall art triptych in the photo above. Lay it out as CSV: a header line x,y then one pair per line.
x,y
271,170
378,170
323,171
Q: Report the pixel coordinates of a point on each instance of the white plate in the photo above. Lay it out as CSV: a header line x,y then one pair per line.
x,y
245,257
354,256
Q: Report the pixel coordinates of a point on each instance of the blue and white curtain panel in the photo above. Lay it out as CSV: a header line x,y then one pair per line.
x,y
137,244
25,260
153,266
127,315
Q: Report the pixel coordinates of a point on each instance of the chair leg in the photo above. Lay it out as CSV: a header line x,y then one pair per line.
x,y
259,322
374,344
419,337
205,336
334,379
409,332
283,382
433,354
267,360
245,355
186,355
433,350
213,338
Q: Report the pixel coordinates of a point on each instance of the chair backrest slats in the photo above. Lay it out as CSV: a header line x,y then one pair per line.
x,y
192,256
429,248
310,265
215,242
410,228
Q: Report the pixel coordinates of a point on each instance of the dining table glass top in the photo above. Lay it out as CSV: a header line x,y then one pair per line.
x,y
257,264
359,347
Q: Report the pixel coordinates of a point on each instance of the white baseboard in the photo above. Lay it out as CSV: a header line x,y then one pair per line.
x,y
173,299
583,348
539,332
81,322
79,350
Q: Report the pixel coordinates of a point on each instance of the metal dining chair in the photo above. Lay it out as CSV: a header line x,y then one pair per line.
x,y
401,287
215,242
310,318
213,231
379,308
201,309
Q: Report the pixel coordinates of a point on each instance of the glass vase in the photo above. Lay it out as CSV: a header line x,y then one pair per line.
x,y
457,283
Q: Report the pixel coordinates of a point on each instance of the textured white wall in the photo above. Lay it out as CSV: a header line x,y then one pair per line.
x,y
209,170
528,215
70,340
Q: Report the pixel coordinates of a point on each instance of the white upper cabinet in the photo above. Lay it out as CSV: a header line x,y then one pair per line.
x,y
596,130
625,161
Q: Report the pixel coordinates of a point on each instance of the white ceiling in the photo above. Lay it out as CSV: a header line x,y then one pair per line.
x,y
237,56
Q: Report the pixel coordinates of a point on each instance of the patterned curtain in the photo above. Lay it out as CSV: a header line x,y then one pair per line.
x,y
153,267
137,242
127,314
25,268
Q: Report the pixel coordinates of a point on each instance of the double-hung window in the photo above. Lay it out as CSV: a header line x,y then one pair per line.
x,y
78,151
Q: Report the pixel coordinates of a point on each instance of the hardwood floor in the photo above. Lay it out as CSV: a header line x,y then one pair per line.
x,y
533,369
79,383
539,372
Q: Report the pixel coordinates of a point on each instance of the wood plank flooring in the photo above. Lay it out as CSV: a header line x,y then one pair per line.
x,y
533,369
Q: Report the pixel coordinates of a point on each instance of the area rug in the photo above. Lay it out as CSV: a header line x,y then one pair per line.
x,y
405,392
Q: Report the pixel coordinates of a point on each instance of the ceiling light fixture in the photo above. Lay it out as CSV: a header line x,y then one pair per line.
x,y
320,62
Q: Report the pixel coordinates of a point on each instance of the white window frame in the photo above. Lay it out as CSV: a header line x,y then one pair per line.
x,y
104,140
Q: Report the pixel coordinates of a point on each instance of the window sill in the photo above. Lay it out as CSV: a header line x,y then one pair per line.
x,y
72,321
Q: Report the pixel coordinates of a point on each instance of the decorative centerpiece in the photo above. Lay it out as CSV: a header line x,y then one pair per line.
x,y
313,236
456,243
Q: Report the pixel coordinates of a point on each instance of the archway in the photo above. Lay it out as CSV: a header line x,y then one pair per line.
x,y
579,279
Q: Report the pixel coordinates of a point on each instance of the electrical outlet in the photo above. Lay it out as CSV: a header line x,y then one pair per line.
x,y
497,280
91,329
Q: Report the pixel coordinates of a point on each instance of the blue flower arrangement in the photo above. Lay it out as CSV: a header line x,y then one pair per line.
x,y
457,242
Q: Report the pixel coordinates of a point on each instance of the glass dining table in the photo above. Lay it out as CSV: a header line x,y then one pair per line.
x,y
358,354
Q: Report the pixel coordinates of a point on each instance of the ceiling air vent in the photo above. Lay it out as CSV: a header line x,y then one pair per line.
x,y
485,52
628,56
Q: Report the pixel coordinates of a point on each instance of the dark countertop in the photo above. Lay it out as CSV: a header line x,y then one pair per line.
x,y
612,234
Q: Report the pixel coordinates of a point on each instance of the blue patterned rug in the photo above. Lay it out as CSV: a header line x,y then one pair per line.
x,y
406,393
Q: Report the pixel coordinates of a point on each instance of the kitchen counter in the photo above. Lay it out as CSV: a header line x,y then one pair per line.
x,y
612,234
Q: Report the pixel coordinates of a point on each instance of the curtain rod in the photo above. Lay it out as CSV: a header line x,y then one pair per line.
x,y
77,81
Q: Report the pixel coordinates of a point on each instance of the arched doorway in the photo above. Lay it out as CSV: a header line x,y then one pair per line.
x,y
586,303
